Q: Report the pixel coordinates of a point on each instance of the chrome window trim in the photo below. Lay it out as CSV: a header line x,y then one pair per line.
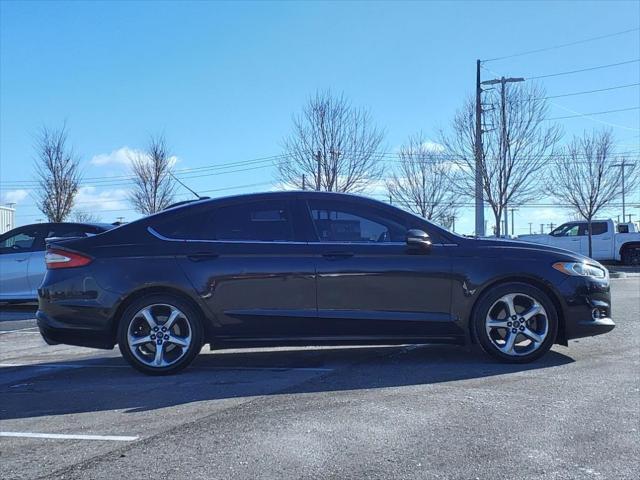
x,y
158,235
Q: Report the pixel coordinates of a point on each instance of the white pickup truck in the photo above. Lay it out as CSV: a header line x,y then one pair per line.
x,y
619,242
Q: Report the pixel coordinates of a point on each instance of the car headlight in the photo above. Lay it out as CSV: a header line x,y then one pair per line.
x,y
580,269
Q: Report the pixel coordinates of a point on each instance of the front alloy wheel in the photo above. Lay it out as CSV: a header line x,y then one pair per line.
x,y
515,322
160,335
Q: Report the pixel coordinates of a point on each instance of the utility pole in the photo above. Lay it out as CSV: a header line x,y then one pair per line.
x,y
319,160
622,165
513,230
504,140
542,228
304,182
530,229
480,227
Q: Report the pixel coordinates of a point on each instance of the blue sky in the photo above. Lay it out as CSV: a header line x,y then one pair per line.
x,y
222,80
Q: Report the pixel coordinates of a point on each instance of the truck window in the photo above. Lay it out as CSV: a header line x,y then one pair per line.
x,y
567,230
598,228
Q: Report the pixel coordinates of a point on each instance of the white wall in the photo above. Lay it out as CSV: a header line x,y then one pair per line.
x,y
7,219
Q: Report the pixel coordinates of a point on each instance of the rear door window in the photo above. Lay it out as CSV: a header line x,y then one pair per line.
x,y
266,221
24,240
598,228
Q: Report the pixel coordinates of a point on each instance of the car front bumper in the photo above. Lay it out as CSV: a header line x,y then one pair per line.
x,y
587,309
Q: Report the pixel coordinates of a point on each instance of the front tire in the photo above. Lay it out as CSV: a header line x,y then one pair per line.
x,y
515,322
160,334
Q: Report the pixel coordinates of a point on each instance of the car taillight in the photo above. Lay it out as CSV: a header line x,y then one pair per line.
x,y
55,258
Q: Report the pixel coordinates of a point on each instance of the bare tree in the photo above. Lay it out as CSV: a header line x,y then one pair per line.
x,y
423,181
333,147
82,216
516,147
584,177
58,174
153,188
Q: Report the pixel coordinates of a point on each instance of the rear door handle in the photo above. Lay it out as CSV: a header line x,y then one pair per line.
x,y
203,256
337,255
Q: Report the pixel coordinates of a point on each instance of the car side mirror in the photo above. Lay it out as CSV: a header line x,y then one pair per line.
x,y
418,239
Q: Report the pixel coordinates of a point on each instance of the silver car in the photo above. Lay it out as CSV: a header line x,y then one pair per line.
x,y
22,249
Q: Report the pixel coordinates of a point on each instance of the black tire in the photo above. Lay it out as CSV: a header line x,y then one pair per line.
x,y
631,255
193,320
490,297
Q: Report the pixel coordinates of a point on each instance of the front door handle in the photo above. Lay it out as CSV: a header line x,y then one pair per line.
x,y
22,259
337,255
202,256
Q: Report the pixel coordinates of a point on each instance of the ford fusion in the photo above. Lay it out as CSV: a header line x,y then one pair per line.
x,y
311,268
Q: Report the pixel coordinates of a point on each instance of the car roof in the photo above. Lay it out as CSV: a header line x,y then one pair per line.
x,y
106,226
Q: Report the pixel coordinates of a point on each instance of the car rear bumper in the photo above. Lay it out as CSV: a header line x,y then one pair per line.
x,y
54,332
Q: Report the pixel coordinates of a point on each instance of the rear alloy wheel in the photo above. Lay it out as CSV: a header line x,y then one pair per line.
x,y
160,335
516,323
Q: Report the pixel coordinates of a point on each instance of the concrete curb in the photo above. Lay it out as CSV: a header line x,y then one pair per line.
x,y
617,275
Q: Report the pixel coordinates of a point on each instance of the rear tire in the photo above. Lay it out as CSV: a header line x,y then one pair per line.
x,y
525,333
160,334
631,255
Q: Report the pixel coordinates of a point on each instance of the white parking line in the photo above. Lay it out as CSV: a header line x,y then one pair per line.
x,y
21,330
60,436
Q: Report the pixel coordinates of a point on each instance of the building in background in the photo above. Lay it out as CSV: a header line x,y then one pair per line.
x,y
7,218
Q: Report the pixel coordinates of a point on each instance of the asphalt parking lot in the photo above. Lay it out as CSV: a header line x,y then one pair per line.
x,y
383,412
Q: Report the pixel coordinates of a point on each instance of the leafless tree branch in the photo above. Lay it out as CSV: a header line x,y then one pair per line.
x,y
153,188
512,165
58,174
585,177
423,181
342,138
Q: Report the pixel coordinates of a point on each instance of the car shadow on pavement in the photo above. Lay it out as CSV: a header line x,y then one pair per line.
x,y
105,384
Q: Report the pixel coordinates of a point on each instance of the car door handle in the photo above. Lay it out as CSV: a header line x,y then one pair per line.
x,y
22,259
202,256
337,255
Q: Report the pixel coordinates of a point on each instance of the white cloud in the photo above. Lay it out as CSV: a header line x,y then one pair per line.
x,y
90,200
15,196
433,146
123,157
548,215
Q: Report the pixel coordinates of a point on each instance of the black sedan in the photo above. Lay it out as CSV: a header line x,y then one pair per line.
x,y
311,268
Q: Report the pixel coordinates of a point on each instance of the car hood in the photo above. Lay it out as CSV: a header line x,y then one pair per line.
x,y
529,249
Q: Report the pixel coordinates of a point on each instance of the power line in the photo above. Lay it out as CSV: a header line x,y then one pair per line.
x,y
562,45
617,87
387,156
583,69
595,113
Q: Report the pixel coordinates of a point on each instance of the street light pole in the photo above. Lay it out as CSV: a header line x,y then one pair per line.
x,y
622,165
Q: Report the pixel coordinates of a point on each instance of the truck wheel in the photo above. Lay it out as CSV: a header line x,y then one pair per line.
x,y
631,255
